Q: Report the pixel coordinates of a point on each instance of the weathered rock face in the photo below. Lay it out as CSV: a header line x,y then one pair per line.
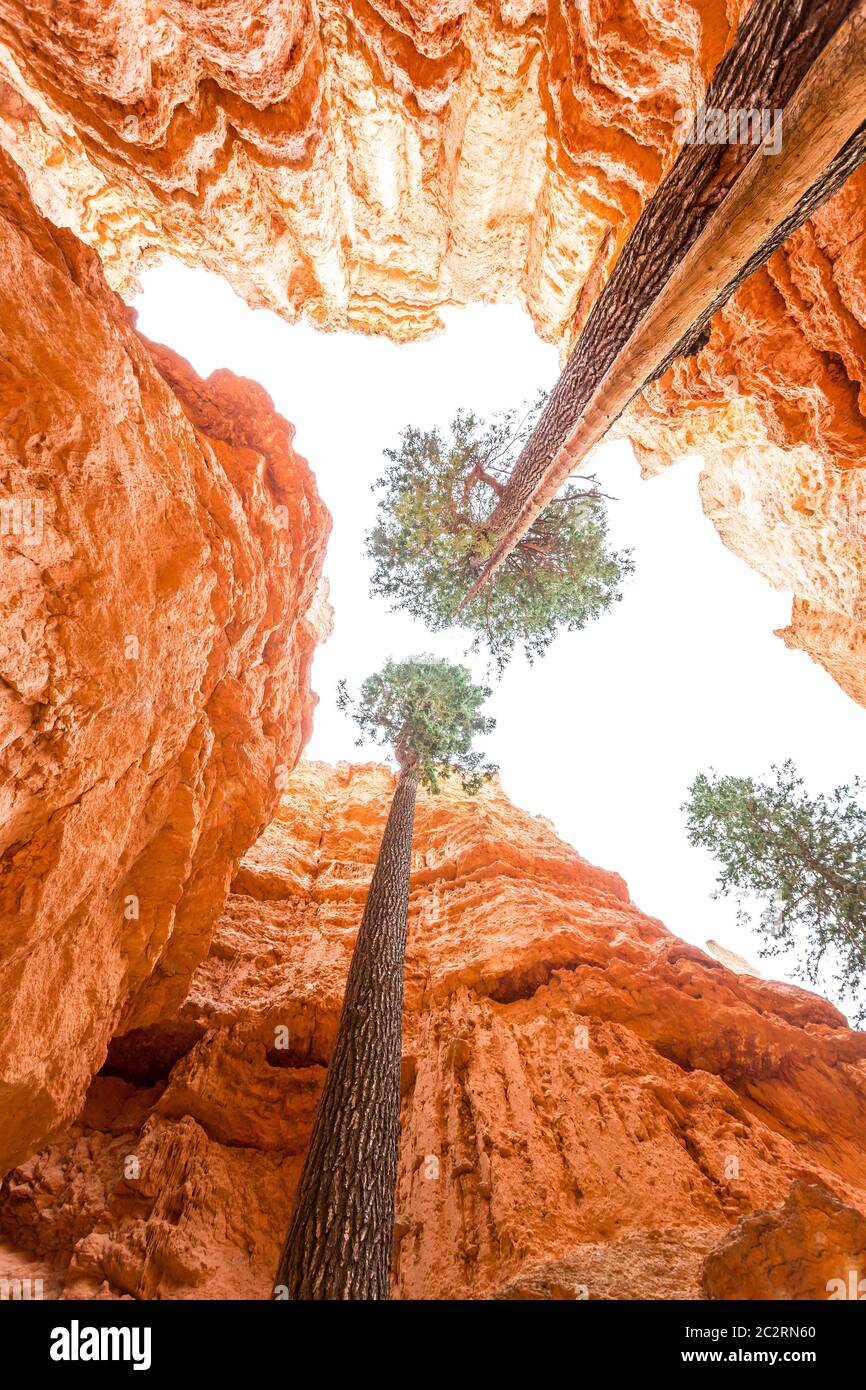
x,y
813,1248
589,1103
363,164
357,161
161,544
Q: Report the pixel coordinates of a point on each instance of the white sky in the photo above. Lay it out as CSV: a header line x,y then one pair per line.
x,y
604,735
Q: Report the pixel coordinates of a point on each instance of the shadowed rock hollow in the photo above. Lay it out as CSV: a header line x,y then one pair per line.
x,y
588,1103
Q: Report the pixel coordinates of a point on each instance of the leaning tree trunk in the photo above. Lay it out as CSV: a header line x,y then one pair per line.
x,y
670,270
341,1231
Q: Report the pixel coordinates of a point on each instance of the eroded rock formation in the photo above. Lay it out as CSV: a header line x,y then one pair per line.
x,y
808,1249
161,545
361,162
590,1105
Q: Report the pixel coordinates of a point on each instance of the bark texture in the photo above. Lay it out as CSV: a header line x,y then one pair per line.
x,y
846,163
776,45
341,1232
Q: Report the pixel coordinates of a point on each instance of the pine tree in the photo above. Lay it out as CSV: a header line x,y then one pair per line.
x,y
803,856
433,536
340,1237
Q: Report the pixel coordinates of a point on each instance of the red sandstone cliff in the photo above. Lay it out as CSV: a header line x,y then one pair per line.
x,y
589,1103
161,544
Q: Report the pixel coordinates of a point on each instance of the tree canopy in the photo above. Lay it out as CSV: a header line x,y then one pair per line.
x,y
427,710
432,536
805,856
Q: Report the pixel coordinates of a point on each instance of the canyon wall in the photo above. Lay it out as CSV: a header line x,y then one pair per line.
x,y
361,162
591,1107
161,546
364,164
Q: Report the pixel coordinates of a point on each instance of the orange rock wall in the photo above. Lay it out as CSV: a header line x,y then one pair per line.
x,y
360,162
161,544
364,164
590,1105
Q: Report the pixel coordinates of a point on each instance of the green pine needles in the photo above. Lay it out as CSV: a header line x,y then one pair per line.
x,y
804,856
433,535
428,711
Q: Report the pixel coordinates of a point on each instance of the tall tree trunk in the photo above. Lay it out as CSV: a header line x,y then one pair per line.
x,y
341,1231
775,49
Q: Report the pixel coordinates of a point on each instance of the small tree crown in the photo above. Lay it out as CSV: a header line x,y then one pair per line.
x,y
428,711
432,535
803,856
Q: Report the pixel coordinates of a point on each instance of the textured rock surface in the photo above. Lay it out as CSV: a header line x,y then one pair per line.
x,y
358,161
589,1103
814,1244
161,545
732,960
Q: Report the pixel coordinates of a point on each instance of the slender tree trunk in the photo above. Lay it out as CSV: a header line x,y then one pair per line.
x,y
341,1231
775,49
